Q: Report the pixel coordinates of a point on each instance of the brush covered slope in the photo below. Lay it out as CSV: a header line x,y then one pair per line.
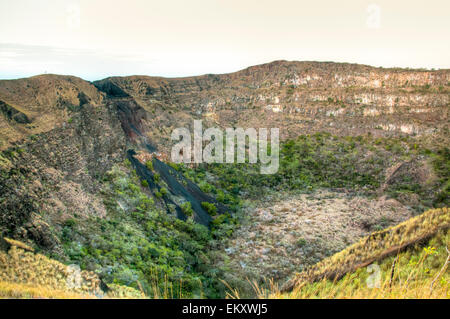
x,y
85,175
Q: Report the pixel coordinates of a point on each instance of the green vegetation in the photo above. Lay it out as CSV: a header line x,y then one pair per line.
x,y
141,246
432,192
222,191
325,161
158,194
149,165
223,226
24,274
309,162
187,209
210,208
175,166
163,191
301,242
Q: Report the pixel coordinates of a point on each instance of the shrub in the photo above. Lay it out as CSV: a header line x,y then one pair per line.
x,y
206,187
187,209
163,191
301,242
210,208
70,222
149,165
175,166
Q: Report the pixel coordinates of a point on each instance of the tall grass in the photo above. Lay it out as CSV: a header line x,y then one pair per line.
x,y
14,290
374,247
417,273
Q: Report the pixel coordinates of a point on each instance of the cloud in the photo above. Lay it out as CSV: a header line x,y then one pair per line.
x,y
22,60
18,60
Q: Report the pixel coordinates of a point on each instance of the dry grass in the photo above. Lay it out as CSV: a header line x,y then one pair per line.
x,y
28,291
285,235
418,273
124,292
399,266
20,266
375,247
18,244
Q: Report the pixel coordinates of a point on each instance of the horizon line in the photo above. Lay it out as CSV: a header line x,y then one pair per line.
x,y
412,69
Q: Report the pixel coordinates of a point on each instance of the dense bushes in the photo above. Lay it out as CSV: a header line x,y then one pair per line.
x,y
321,160
187,209
210,208
139,245
308,162
149,165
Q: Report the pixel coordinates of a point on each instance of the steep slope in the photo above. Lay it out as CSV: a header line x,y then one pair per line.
x,y
51,177
65,188
52,167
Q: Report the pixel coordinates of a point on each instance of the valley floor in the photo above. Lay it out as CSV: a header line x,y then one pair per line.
x,y
281,236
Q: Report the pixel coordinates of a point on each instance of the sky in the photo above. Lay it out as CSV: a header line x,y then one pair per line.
x,y
94,39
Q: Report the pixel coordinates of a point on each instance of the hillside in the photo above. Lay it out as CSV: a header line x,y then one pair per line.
x,y
86,176
40,104
301,97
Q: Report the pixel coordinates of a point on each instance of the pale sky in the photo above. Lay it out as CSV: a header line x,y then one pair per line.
x,y
94,39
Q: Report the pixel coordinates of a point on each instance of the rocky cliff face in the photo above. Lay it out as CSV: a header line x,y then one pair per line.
x,y
299,97
53,176
60,134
